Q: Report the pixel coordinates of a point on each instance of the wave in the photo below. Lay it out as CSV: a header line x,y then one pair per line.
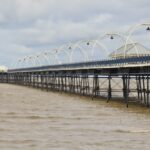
x,y
133,131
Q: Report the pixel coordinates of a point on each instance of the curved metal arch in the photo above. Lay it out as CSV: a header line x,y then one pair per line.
x,y
77,45
44,54
96,42
19,62
28,60
16,63
111,35
53,53
36,60
22,62
64,48
136,27
31,58
25,61
123,37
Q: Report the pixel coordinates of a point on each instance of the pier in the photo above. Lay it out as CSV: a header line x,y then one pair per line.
x,y
124,74
93,79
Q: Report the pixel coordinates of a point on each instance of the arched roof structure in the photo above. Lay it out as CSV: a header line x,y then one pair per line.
x,y
132,50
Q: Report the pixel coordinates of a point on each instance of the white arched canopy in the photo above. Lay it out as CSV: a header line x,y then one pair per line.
x,y
90,50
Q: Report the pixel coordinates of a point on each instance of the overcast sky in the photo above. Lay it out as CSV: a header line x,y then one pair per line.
x,y
30,26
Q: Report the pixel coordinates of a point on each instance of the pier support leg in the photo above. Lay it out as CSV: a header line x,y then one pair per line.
x,y
144,90
126,88
140,86
148,91
138,89
109,89
95,86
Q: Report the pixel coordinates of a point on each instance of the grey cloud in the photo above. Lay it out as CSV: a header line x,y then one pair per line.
x,y
29,26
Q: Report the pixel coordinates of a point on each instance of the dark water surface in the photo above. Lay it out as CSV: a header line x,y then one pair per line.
x,y
31,119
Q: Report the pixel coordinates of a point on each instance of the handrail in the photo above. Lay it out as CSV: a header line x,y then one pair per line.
x,y
110,62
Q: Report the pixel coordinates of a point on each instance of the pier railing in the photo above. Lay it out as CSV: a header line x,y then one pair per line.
x,y
115,63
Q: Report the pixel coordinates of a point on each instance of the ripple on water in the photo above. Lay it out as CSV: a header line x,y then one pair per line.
x,y
132,131
35,119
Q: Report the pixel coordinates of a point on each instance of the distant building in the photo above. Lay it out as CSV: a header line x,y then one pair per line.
x,y
130,50
3,69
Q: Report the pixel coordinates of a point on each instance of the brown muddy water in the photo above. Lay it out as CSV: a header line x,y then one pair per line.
x,y
31,119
